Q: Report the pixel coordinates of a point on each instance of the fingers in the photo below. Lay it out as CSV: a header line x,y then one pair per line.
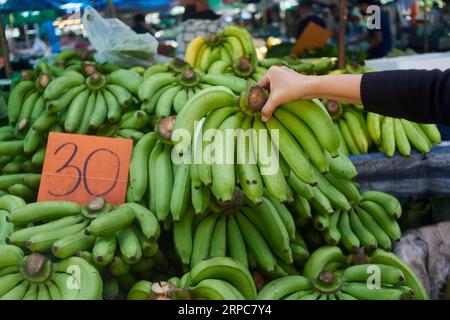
x,y
269,107
264,82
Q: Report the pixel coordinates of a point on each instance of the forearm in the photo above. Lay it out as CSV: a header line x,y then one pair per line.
x,y
335,87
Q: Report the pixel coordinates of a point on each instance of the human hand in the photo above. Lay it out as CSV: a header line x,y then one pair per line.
x,y
285,85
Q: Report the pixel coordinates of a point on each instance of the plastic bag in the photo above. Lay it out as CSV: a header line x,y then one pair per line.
x,y
117,43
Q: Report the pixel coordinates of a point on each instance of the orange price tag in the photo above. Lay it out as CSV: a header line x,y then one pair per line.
x,y
80,168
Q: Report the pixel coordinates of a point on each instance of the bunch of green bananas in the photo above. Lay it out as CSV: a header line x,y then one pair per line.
x,y
369,224
217,278
229,46
390,134
166,93
316,66
262,236
64,229
307,139
241,68
329,275
35,277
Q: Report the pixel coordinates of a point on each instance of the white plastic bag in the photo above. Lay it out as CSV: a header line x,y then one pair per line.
x,y
117,43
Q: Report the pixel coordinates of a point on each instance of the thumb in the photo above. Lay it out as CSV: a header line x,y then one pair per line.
x,y
268,108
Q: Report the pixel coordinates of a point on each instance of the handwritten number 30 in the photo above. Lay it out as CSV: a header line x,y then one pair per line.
x,y
84,177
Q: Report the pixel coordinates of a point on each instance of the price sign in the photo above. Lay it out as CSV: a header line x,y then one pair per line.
x,y
314,36
80,168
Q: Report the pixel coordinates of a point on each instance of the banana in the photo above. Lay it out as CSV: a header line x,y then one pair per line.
x,y
301,188
274,183
381,216
147,220
60,104
192,50
216,289
225,57
44,121
319,259
38,108
75,111
232,82
111,222
284,214
348,138
202,239
374,127
118,267
27,108
32,292
321,203
382,238
104,249
141,290
129,245
275,231
127,79
245,40
55,293
204,58
401,140
415,137
43,293
16,99
246,168
218,246
388,274
8,282
235,242
163,184
256,244
156,68
219,66
6,228
18,292
337,199
342,166
154,154
317,118
213,121
200,198
122,95
114,109
207,100
10,202
226,269
10,148
150,85
19,237
11,256
43,242
345,186
182,237
98,116
349,240
181,192
387,201
233,45
165,102
291,151
84,285
299,253
45,210
58,86
302,207
139,165
432,132
332,235
72,244
412,281
320,222
367,239
362,292
388,136
343,296
222,170
179,100
306,138
32,141
343,148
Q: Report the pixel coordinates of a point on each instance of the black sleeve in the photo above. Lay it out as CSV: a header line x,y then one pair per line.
x,y
416,95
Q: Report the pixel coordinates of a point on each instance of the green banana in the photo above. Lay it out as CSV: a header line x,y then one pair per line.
x,y
104,249
111,222
45,210
202,239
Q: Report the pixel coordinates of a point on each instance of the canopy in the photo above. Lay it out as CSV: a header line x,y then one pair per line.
x,y
37,5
